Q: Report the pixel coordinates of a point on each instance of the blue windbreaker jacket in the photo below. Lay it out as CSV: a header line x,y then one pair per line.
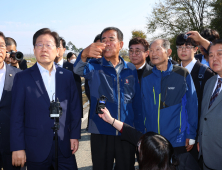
x,y
170,103
103,80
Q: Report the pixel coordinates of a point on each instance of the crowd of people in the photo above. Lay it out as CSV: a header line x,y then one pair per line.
x,y
166,112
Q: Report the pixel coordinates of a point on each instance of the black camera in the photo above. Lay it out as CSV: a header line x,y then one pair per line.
x,y
101,104
185,36
16,55
55,109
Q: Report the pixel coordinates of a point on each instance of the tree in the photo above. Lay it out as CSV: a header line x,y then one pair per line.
x,y
138,33
123,52
217,16
176,16
72,47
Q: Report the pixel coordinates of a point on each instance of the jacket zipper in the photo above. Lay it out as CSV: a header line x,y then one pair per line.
x,y
159,105
118,89
154,96
159,114
180,120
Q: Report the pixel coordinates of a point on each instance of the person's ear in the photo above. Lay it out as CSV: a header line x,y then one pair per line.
x,y
121,44
146,53
169,52
195,49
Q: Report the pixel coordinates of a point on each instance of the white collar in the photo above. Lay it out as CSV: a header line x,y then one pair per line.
x,y
4,66
42,69
189,67
142,66
61,62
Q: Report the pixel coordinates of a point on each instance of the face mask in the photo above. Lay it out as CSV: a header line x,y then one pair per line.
x,y
72,61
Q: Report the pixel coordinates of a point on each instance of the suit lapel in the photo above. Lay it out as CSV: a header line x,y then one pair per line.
x,y
9,75
39,82
209,94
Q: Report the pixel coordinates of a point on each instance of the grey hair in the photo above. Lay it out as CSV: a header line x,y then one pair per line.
x,y
165,43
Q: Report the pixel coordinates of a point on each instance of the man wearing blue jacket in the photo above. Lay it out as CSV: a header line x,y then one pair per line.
x,y
116,79
169,99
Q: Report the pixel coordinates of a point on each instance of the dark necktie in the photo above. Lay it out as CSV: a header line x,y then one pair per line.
x,y
216,92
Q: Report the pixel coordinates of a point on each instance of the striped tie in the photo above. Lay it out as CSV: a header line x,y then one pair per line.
x,y
216,92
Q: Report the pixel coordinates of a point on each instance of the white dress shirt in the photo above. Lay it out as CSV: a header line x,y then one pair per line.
x,y
142,66
48,80
190,66
60,63
2,79
215,86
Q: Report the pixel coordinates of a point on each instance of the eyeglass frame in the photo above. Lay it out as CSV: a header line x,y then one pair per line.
x,y
180,48
137,52
2,46
49,47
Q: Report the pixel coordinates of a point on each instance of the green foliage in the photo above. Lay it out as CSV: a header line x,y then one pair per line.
x,y
174,48
176,16
138,33
72,47
123,52
217,16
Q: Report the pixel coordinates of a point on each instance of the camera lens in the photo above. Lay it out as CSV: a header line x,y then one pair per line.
x,y
19,56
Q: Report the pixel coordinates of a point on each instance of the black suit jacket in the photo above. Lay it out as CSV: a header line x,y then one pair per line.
x,y
5,108
23,64
199,90
77,78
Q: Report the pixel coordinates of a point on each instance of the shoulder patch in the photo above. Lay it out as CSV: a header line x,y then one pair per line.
x,y
180,70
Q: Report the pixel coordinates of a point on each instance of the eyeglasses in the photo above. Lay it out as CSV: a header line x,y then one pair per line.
x,y
137,52
187,48
2,46
48,46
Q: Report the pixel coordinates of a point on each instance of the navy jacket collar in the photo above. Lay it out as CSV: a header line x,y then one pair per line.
x,y
163,73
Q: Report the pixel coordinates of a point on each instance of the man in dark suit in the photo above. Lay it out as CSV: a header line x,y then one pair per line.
x,y
138,52
31,127
60,62
210,131
7,74
186,49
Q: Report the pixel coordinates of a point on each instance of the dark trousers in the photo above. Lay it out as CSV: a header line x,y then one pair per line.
x,y
65,163
106,148
179,150
6,161
194,152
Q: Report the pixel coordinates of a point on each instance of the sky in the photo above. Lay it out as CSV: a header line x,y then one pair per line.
x,y
76,21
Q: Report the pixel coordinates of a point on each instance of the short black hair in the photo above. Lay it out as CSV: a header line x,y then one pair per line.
x,y
138,40
119,33
44,31
63,42
218,41
10,41
69,55
97,38
181,41
2,35
210,34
